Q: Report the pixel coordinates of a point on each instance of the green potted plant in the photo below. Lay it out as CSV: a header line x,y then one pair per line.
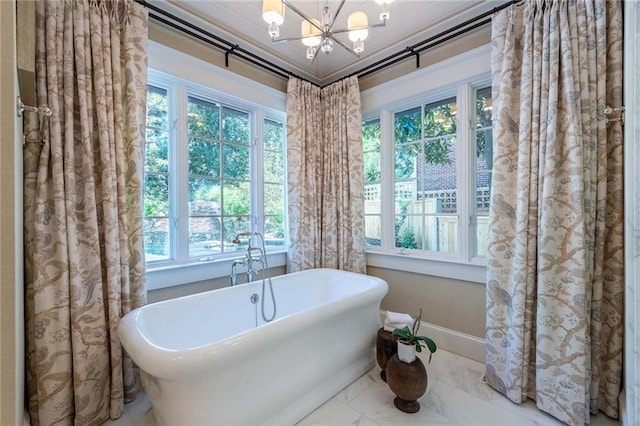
x,y
409,342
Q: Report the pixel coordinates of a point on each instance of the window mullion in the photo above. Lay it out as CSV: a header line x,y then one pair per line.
x,y
257,172
387,160
465,154
181,181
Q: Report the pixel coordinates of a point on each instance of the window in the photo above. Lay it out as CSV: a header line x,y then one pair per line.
x,y
483,168
371,153
439,179
274,182
157,217
205,178
425,177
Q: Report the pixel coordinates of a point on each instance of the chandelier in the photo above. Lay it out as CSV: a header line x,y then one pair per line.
x,y
319,35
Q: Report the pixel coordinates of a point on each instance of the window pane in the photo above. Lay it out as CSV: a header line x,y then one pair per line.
x,y
274,230
408,126
156,238
232,227
440,118
372,174
405,195
483,168
157,108
274,199
236,162
236,199
425,187
235,125
273,135
204,236
372,230
483,107
204,157
371,167
156,151
440,177
273,166
204,196
274,188
371,135
406,159
409,230
203,118
156,220
205,225
156,194
372,199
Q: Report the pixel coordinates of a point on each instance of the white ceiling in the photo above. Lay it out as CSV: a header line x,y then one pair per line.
x,y
411,21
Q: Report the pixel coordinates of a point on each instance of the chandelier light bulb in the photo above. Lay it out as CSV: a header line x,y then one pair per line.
x,y
308,29
358,26
358,46
273,30
273,12
311,52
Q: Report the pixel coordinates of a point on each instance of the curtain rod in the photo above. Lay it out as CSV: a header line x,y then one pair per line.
x,y
234,49
216,41
430,42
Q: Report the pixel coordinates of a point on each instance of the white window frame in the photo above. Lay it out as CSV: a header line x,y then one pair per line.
x,y
205,81
459,76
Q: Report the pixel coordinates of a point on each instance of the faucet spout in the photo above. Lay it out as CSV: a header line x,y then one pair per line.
x,y
234,275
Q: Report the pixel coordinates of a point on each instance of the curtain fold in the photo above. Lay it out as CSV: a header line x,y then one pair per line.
x,y
555,254
325,176
84,258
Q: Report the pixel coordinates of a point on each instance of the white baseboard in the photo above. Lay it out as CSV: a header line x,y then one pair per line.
x,y
453,341
622,405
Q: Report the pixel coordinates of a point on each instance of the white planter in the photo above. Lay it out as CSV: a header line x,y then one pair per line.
x,y
406,353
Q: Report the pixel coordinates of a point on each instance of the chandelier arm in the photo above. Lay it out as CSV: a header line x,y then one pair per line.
x,y
343,45
379,24
335,15
346,30
301,14
283,39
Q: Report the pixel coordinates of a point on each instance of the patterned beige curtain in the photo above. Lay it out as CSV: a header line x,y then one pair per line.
x,y
325,176
555,258
82,202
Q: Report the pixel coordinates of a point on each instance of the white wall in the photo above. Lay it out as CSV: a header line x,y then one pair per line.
x,y
11,259
631,406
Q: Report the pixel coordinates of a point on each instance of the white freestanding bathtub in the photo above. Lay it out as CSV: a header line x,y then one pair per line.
x,y
203,360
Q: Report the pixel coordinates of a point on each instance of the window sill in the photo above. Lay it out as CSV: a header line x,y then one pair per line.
x,y
169,276
473,272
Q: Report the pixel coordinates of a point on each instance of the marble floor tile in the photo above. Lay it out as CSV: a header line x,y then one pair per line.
x,y
335,412
456,395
